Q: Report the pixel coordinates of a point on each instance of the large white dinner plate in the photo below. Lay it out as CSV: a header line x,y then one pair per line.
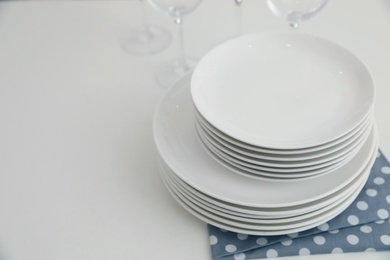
x,y
255,87
259,227
269,213
256,215
176,141
260,224
264,213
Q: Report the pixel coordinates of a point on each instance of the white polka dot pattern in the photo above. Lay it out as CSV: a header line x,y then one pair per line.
x,y
261,241
319,240
379,181
353,220
240,256
272,253
380,221
385,239
366,229
323,227
362,205
213,240
304,251
386,169
242,236
352,239
364,226
231,248
383,214
287,242
334,231
337,250
371,192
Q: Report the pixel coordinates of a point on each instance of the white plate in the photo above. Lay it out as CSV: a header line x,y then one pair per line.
x,y
301,165
260,228
276,174
308,151
258,217
267,213
282,155
176,141
266,225
256,86
259,171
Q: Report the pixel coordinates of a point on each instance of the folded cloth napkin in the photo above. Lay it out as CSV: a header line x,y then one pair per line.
x,y
363,226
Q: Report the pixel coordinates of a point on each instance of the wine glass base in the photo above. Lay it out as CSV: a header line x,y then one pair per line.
x,y
146,39
169,73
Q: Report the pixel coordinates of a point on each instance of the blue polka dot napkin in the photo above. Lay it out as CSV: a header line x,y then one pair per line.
x,y
363,226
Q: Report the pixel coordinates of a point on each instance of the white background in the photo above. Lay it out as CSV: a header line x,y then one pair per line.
x,y
78,172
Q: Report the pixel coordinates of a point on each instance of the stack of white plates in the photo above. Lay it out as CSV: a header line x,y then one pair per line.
x,y
272,134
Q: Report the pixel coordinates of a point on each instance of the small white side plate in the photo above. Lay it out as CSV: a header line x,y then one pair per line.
x,y
282,90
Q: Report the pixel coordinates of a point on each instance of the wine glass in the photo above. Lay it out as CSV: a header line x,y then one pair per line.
x,y
169,73
239,16
296,11
146,38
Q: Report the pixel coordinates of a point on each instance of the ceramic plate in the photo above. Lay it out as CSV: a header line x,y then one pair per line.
x,y
256,86
276,174
285,155
176,141
259,229
270,224
259,171
297,165
283,215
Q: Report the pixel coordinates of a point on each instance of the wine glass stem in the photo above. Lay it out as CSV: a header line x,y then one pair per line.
x,y
182,54
239,16
145,33
145,15
294,25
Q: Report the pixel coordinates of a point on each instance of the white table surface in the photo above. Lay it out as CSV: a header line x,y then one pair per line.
x,y
78,173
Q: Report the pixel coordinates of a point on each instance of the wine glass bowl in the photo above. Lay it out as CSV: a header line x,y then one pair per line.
x,y
296,11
